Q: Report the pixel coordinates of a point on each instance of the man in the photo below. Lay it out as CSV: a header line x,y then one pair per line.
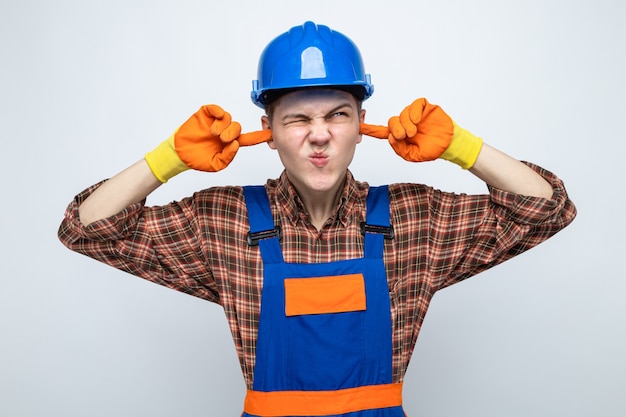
x,y
325,281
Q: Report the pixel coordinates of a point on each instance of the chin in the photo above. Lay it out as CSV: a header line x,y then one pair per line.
x,y
316,181
325,184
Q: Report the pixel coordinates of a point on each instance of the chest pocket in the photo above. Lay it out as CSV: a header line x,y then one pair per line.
x,y
324,295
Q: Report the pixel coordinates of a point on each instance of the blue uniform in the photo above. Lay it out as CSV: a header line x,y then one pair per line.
x,y
324,340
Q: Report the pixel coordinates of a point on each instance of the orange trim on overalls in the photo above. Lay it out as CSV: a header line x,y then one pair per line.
x,y
322,403
324,295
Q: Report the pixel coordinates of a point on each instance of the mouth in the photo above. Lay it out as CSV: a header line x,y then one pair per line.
x,y
319,159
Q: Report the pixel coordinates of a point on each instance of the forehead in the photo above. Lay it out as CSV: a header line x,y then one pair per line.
x,y
314,98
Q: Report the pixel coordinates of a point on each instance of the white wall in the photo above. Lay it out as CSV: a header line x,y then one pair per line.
x,y
87,87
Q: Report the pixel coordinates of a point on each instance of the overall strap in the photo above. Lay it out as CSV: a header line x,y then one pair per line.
x,y
376,227
262,232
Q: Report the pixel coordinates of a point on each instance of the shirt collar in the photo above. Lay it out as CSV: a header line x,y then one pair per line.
x,y
289,201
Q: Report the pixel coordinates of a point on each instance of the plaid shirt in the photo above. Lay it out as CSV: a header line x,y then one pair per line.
x,y
198,245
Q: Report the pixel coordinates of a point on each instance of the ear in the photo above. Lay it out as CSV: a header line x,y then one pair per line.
x,y
361,120
265,124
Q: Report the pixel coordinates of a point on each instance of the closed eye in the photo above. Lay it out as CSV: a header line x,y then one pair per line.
x,y
291,122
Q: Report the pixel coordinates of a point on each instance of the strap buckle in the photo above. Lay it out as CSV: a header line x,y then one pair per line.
x,y
254,238
386,231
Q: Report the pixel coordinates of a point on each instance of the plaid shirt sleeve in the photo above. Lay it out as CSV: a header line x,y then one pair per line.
x,y
467,234
159,244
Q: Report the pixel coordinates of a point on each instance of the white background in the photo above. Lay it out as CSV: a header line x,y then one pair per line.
x,y
87,87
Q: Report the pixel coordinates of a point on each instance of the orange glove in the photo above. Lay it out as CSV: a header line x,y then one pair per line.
x,y
421,133
207,141
424,132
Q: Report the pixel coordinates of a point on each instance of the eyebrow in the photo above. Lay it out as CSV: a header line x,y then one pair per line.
x,y
302,115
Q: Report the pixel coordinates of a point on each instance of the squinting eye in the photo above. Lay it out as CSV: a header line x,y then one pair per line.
x,y
295,122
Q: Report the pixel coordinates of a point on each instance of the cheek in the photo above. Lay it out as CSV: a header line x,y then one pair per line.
x,y
289,138
285,146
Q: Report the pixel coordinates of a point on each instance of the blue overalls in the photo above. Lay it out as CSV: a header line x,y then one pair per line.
x,y
324,340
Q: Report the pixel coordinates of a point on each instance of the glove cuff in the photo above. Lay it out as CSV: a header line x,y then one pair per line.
x,y
164,161
463,149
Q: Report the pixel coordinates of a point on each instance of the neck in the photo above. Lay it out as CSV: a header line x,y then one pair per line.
x,y
320,205
320,211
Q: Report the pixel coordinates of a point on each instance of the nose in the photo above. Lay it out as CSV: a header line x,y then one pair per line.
x,y
319,132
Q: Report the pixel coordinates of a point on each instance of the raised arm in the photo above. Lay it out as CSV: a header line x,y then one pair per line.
x,y
207,141
130,186
424,132
508,174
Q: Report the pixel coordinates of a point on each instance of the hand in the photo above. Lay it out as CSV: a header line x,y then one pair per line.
x,y
421,133
207,141
424,132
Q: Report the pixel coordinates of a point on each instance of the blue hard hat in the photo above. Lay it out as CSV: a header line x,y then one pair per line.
x,y
310,56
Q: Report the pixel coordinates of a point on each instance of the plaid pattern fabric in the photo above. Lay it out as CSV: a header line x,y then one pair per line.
x,y
198,245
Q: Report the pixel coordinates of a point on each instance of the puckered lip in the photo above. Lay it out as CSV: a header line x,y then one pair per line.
x,y
319,159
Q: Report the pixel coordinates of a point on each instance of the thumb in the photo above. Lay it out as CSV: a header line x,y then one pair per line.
x,y
231,132
220,124
396,129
